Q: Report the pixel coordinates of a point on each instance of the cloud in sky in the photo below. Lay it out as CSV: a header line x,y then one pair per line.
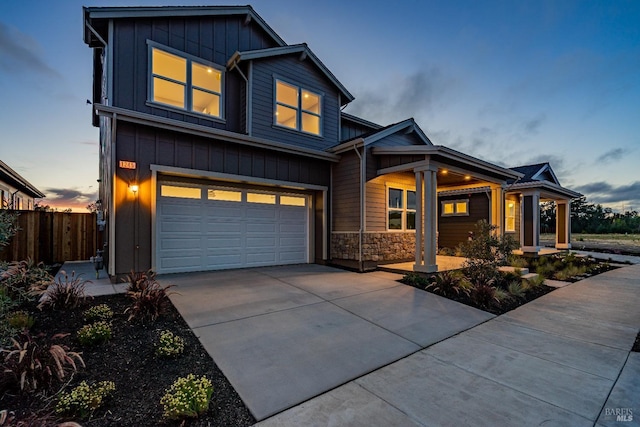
x,y
63,198
603,192
19,51
404,96
612,155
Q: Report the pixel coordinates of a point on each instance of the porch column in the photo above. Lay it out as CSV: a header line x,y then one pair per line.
x,y
429,204
563,224
497,208
530,222
419,216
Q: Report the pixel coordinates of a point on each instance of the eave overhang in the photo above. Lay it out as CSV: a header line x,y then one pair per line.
x,y
445,153
106,13
304,52
544,186
207,132
13,178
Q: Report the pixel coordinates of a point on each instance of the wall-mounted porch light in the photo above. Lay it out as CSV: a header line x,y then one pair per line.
x,y
133,187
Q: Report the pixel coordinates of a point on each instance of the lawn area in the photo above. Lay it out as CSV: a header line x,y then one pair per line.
x,y
611,243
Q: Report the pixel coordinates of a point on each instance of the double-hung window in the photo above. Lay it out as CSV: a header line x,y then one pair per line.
x,y
401,209
185,82
510,216
298,108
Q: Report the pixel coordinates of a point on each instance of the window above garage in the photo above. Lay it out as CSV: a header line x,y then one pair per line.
x,y
185,82
298,108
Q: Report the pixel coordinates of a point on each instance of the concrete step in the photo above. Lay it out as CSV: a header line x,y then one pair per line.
x,y
508,269
530,276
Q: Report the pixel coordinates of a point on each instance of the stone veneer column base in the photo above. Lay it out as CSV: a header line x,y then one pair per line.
x,y
381,247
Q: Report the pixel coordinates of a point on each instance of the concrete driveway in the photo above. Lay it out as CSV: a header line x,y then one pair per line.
x,y
283,335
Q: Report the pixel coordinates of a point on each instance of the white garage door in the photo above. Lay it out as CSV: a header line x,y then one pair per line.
x,y
213,228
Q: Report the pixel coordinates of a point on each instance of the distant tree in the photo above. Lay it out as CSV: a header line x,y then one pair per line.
x,y
548,217
43,208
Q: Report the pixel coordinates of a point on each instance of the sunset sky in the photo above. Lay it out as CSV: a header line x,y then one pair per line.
x,y
511,82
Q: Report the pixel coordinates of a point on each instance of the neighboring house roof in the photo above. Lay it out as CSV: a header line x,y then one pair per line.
x,y
304,52
106,13
408,126
540,176
14,179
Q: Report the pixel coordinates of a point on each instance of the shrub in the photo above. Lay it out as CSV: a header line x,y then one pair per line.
x,y
98,312
149,303
95,333
84,398
484,295
24,279
486,251
187,397
8,225
416,279
65,292
33,365
570,271
20,320
535,282
169,345
518,262
139,281
448,284
516,289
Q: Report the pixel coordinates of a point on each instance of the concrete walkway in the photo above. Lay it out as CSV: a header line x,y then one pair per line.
x,y
561,360
95,286
283,335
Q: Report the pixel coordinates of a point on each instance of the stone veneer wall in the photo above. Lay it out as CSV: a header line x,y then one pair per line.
x,y
380,247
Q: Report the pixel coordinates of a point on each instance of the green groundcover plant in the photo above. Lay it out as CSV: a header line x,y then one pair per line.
x,y
84,399
187,397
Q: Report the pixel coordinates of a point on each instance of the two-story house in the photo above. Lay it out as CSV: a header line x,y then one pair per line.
x,y
223,147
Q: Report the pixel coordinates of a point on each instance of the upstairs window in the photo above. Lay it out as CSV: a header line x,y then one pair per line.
x,y
401,209
184,82
298,108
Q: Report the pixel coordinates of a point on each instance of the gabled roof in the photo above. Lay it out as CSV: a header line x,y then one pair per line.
x,y
304,52
537,172
13,178
359,120
408,125
105,13
540,176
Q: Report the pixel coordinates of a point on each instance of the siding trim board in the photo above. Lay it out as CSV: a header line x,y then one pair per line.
x,y
194,129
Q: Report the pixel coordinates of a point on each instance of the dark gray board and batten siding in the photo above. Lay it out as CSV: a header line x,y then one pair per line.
x,y
454,230
303,74
212,39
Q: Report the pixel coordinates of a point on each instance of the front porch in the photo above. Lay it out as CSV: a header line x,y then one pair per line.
x,y
444,263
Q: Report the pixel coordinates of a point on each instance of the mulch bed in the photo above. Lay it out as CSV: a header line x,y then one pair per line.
x,y
504,307
140,376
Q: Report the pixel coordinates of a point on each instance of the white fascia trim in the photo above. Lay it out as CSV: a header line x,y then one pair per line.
x,y
207,132
543,169
545,185
346,146
243,179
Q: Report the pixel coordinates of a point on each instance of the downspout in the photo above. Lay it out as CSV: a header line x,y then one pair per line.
x,y
234,64
362,199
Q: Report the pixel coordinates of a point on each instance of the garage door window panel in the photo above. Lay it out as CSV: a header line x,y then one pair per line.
x,y
180,192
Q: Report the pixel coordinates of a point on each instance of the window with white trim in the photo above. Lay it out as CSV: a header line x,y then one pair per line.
x,y
401,209
298,108
455,207
510,216
185,82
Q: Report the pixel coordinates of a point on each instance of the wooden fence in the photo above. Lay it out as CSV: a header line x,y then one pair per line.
x,y
52,237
